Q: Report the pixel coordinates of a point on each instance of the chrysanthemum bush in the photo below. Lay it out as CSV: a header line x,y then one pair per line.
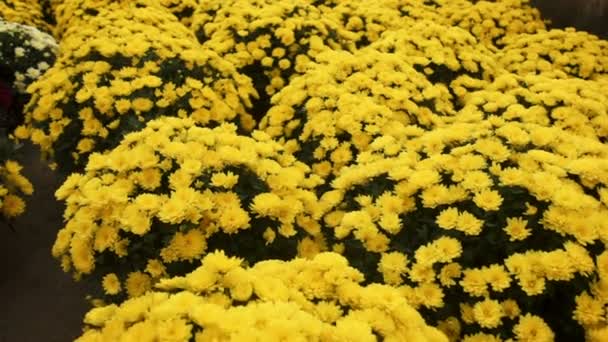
x,y
491,21
452,151
443,53
269,41
489,228
26,12
577,105
77,12
576,53
330,114
25,53
368,20
299,300
126,66
73,13
169,193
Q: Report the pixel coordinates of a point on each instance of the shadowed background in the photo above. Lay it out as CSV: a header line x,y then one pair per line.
x,y
584,15
39,302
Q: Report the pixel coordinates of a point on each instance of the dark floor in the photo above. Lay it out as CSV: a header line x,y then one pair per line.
x,y
38,301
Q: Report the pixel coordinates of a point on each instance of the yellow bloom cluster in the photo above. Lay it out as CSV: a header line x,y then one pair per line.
x,y
415,75
121,68
13,185
491,21
76,13
590,310
300,300
26,12
371,19
333,112
442,52
577,105
576,53
180,186
268,40
488,210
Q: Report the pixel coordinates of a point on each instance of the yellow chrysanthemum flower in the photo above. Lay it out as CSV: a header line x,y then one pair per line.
x,y
111,284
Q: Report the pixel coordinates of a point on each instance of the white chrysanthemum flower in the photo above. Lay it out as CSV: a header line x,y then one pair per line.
x,y
26,51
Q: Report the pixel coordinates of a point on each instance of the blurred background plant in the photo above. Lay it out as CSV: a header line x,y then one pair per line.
x,y
25,12
25,54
